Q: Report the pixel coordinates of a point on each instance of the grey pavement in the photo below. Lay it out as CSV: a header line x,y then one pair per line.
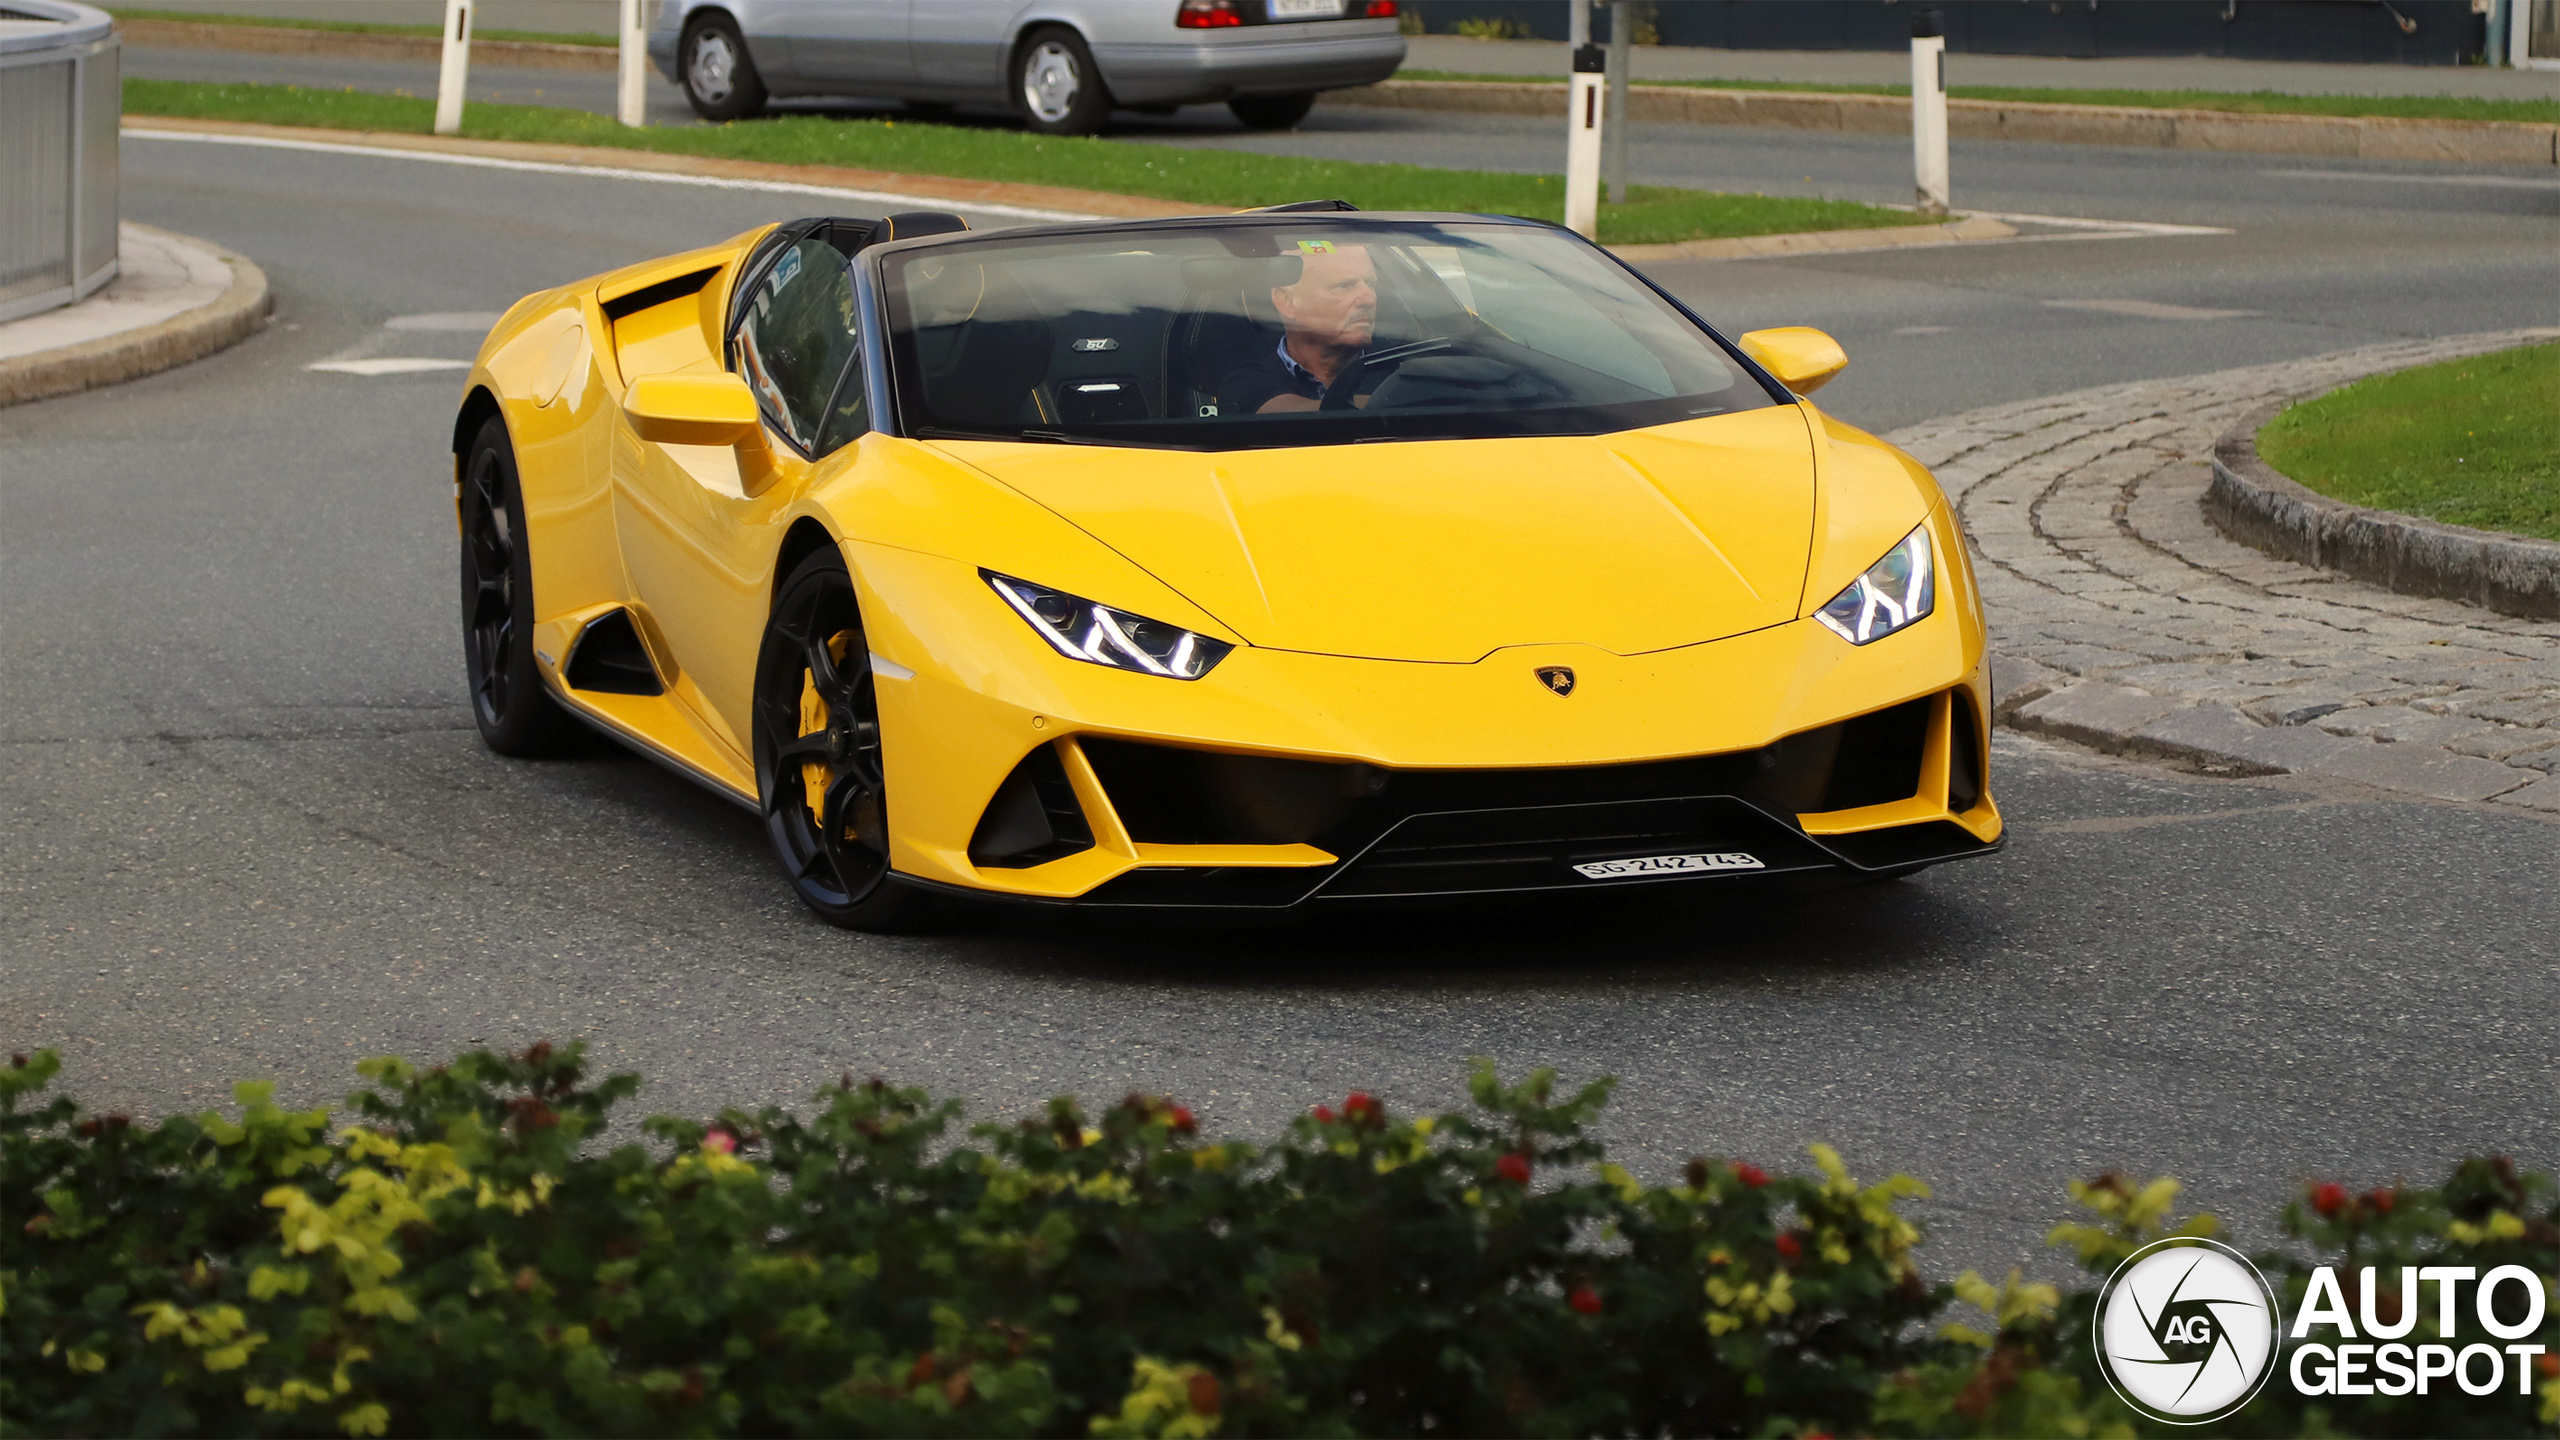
x,y
2326,254
2129,623
246,827
1550,59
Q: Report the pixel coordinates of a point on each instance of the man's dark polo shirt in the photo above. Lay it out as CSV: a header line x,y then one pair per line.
x,y
1262,374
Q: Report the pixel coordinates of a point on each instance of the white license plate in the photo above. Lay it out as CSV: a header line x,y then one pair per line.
x,y
1667,865
1305,9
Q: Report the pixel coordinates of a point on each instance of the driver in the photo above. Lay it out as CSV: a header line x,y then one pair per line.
x,y
1328,316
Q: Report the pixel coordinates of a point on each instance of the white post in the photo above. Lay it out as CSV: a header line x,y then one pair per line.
x,y
1929,112
457,67
1622,27
1582,141
634,107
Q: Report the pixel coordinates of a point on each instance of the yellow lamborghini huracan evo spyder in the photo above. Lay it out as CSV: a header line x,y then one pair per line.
x,y
1264,560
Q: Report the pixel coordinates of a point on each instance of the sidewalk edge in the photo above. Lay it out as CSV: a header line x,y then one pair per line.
x,y
2253,503
2476,142
234,315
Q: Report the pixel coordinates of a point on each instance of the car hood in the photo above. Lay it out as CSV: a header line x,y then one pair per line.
x,y
1449,550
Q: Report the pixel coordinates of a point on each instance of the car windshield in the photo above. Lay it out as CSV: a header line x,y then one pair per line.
x,y
1267,333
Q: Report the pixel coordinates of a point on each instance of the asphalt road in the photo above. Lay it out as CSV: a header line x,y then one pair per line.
x,y
2325,253
246,827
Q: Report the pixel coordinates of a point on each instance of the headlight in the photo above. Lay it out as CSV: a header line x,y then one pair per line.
x,y
1105,636
1895,591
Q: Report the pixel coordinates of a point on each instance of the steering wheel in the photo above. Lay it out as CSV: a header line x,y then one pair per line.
x,y
1338,395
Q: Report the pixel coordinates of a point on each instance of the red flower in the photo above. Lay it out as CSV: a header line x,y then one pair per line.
x,y
1513,1167
1359,1109
1750,1174
2549,1365
1790,1249
1324,1114
720,1140
1180,1119
1584,1299
1205,1399
921,1373
2382,1200
2329,1197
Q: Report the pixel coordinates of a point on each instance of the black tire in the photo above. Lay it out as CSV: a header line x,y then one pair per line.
x,y
517,716
1055,85
720,79
1271,112
820,780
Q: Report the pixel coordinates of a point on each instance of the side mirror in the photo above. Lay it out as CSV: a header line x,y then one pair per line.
x,y
1803,358
693,409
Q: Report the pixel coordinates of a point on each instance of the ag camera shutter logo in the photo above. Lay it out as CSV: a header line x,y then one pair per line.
x,y
2186,1330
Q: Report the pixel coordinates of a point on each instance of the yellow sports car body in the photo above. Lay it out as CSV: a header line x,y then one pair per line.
x,y
1277,559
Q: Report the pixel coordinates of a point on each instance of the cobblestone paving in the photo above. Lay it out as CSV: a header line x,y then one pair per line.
x,y
2120,618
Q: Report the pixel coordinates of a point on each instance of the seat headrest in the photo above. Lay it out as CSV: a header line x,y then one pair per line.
x,y
911,224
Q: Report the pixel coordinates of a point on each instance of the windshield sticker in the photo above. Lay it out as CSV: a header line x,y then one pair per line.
x,y
1315,247
788,270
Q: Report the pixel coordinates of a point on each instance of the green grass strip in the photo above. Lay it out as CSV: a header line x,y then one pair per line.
x,y
2468,442
2259,102
353,27
1652,214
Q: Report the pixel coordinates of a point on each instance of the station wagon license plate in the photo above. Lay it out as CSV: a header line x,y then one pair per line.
x,y
1667,865
1305,9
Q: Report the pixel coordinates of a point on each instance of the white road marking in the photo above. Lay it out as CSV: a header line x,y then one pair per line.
x,y
2507,182
404,365
1925,330
460,322
606,172
2148,309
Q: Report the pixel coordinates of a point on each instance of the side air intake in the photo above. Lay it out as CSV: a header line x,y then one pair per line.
x,y
1034,818
610,660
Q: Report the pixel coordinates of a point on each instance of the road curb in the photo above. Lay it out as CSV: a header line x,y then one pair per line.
x,y
238,312
2250,501
357,45
2471,142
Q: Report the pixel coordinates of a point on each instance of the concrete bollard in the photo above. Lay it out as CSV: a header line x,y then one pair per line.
x,y
1929,112
456,72
633,100
1582,143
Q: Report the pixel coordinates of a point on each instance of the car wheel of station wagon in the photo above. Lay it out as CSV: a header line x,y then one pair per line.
x,y
1271,112
1061,92
720,79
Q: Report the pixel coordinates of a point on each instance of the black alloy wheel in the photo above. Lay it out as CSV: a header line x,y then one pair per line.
x,y
516,715
819,774
1272,112
1056,87
720,79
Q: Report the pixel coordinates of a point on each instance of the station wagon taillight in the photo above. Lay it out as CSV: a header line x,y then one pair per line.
x,y
1207,15
1381,10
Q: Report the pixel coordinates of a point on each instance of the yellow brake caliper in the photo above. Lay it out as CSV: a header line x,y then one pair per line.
x,y
817,775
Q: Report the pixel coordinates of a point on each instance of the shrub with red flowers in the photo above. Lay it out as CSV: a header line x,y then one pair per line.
x,y
460,1252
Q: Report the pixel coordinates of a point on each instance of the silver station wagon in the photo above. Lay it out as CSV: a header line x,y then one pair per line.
x,y
1063,65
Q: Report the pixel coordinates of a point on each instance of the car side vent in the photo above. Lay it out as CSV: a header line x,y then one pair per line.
x,y
1034,818
632,303
1879,759
610,660
1964,759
